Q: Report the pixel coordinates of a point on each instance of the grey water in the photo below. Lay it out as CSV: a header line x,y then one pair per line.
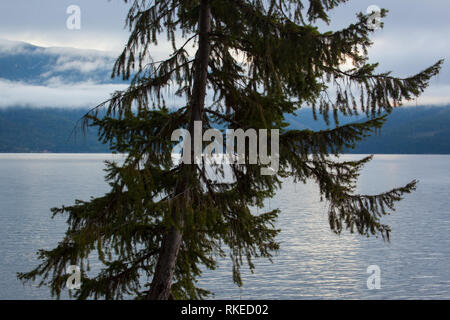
x,y
313,262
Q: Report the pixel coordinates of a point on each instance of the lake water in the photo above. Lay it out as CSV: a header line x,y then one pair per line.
x,y
313,263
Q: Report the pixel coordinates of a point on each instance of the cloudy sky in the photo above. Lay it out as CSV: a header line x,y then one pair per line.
x,y
415,36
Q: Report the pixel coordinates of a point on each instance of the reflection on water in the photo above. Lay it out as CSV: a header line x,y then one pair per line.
x,y
312,263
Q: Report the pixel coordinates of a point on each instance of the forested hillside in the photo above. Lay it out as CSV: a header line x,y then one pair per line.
x,y
409,130
45,130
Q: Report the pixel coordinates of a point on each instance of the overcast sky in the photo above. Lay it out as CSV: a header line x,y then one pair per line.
x,y
416,32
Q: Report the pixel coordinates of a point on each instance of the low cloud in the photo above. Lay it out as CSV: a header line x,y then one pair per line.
x,y
57,95
413,38
83,64
8,47
434,95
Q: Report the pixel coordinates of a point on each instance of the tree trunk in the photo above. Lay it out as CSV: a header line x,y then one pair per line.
x,y
160,288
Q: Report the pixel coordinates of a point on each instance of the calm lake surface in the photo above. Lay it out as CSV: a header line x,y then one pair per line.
x,y
313,263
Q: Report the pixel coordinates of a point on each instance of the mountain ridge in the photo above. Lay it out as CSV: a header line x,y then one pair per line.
x,y
60,75
408,130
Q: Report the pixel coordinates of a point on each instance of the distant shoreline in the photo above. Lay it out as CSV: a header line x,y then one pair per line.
x,y
409,131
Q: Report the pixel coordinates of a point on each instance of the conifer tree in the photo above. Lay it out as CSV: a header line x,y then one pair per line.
x,y
162,223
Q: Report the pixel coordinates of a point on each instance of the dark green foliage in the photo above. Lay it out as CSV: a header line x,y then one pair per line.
x,y
284,63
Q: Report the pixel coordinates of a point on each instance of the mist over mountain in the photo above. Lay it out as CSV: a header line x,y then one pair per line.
x,y
38,77
20,61
45,91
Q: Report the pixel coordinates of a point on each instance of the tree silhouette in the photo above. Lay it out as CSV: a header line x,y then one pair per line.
x,y
162,222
